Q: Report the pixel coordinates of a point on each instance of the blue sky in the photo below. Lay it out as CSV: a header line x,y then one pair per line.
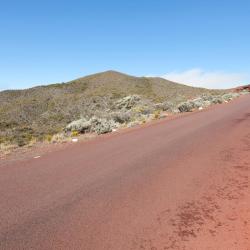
x,y
205,43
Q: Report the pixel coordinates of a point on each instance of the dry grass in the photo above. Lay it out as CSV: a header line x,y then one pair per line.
x,y
6,148
60,138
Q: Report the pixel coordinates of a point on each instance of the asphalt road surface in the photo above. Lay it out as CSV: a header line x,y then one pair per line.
x,y
179,183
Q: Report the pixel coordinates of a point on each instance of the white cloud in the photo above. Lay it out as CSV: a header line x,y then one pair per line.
x,y
213,79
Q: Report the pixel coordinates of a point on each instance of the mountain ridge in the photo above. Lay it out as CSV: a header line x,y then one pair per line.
x,y
105,74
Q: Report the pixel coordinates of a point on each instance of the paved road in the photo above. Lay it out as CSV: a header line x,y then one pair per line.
x,y
175,184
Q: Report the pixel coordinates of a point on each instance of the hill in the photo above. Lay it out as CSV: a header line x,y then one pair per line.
x,y
46,110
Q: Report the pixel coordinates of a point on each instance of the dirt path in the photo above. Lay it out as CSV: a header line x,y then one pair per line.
x,y
179,184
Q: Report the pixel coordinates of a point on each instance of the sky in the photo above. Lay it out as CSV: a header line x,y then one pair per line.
x,y
200,43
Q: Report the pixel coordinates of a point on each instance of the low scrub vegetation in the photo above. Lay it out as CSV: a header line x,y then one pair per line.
x,y
99,103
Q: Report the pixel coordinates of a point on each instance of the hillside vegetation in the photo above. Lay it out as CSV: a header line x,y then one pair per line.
x,y
45,110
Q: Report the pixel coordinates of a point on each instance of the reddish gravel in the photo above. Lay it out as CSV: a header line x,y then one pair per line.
x,y
175,184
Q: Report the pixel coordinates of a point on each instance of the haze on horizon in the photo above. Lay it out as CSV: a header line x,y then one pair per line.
x,y
198,43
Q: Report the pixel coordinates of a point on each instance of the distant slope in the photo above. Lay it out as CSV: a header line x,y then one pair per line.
x,y
242,88
43,110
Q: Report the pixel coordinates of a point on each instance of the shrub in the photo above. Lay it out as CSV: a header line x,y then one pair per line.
x,y
157,114
74,133
121,117
81,125
48,138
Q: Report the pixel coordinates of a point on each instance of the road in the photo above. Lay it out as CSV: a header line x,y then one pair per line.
x,y
179,183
